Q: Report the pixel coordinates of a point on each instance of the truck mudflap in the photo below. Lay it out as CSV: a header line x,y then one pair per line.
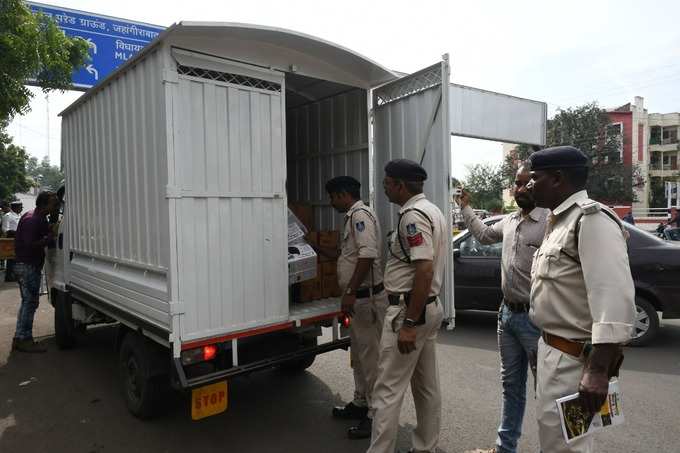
x,y
190,383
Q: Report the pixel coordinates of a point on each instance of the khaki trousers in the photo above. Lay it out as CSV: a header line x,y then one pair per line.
x,y
364,333
558,375
396,371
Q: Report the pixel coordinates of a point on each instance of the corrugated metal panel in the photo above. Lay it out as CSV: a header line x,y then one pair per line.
x,y
494,116
231,218
115,167
325,139
411,118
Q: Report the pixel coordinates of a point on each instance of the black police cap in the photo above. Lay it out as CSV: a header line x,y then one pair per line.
x,y
342,184
558,157
406,170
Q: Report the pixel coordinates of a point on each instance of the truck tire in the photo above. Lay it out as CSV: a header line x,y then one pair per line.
x,y
142,390
300,365
64,327
646,325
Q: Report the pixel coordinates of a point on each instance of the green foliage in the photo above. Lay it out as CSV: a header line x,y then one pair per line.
x,y
586,127
32,46
45,175
512,162
485,184
13,175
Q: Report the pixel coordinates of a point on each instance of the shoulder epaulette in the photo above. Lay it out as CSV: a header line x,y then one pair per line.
x,y
589,206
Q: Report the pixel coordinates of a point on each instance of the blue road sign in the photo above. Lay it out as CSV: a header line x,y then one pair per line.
x,y
112,40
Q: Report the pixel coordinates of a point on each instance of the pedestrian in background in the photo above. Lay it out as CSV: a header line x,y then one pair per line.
x,y
628,218
413,279
10,223
32,236
582,294
521,233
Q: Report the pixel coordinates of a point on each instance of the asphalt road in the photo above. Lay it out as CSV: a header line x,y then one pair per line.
x,y
69,401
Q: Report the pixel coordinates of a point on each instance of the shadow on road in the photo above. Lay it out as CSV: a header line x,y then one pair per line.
x,y
661,356
474,329
70,401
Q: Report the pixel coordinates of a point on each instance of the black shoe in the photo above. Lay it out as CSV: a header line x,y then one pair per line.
x,y
28,346
362,430
350,411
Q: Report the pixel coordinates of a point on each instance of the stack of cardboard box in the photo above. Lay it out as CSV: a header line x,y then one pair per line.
x,y
326,283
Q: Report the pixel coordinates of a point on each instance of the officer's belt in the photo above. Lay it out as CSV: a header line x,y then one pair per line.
x,y
571,347
363,293
396,299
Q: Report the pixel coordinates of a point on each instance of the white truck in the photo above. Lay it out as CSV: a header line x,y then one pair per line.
x,y
179,167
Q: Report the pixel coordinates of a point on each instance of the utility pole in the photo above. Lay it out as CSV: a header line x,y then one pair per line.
x,y
47,103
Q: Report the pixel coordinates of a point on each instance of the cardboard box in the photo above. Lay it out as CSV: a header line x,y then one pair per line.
x,y
329,239
329,269
310,290
304,212
329,287
312,238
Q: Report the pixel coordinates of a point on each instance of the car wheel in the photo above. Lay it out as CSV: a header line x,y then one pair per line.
x,y
646,324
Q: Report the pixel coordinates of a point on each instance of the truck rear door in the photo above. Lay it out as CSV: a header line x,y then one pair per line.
x,y
228,171
410,120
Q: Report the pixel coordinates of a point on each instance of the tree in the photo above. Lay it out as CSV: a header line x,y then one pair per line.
x,y
587,128
512,162
610,181
45,175
32,46
485,183
13,175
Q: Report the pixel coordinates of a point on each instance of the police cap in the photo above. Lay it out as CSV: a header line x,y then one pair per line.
x,y
406,170
558,157
16,203
341,184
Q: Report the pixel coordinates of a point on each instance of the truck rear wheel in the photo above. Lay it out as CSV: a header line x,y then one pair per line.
x,y
142,390
64,327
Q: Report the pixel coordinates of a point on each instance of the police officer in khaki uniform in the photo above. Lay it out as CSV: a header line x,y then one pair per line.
x,y
413,279
582,294
360,276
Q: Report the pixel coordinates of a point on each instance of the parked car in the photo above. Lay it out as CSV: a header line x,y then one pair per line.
x,y
654,262
669,234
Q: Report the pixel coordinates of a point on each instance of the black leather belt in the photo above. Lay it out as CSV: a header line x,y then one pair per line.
x,y
395,299
363,293
517,307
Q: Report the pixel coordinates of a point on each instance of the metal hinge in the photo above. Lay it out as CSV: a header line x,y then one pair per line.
x,y
173,192
176,308
170,76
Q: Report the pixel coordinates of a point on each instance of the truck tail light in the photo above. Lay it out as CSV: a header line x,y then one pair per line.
x,y
202,354
209,352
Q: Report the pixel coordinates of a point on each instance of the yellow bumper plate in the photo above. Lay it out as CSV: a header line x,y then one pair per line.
x,y
209,400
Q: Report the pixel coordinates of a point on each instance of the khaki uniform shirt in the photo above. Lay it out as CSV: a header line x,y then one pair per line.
x,y
590,300
360,239
521,237
422,239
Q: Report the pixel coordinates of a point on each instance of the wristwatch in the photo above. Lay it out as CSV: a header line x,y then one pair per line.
x,y
408,322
